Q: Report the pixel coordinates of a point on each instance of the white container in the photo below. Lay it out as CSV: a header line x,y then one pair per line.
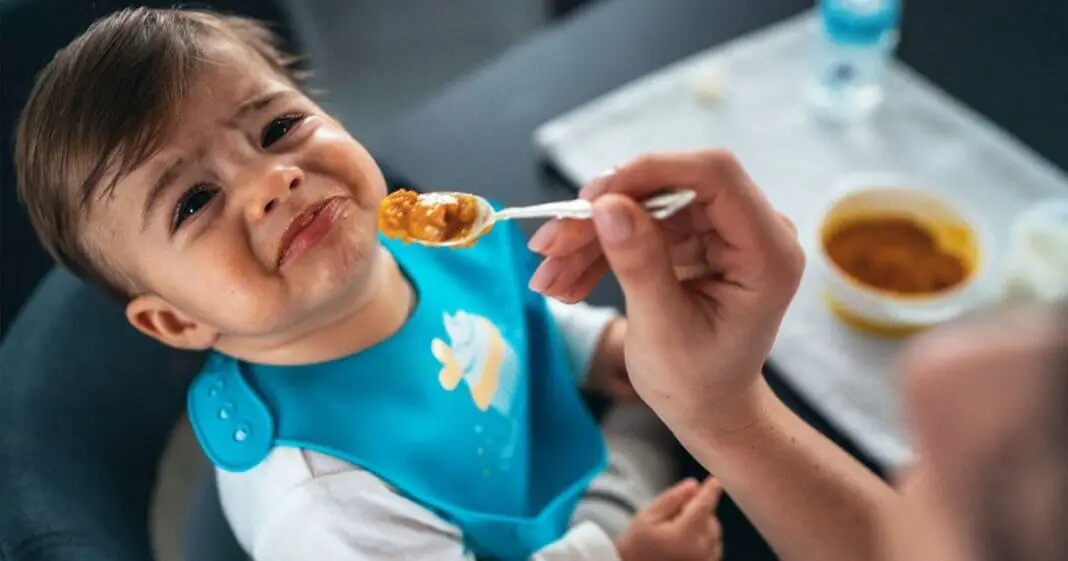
x,y
1038,256
957,230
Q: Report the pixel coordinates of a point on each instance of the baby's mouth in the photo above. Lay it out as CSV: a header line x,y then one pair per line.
x,y
309,228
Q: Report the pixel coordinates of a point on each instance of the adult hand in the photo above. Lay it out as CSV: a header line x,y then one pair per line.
x,y
608,369
705,290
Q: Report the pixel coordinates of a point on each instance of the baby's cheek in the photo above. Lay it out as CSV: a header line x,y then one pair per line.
x,y
236,296
339,156
247,306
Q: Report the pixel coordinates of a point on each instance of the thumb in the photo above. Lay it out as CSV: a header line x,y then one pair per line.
x,y
638,256
668,503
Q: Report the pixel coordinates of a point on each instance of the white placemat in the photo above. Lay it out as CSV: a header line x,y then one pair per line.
x,y
920,132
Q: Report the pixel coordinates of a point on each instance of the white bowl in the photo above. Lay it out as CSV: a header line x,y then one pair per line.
x,y
873,309
1038,258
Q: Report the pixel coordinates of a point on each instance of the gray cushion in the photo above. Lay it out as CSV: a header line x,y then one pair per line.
x,y
86,405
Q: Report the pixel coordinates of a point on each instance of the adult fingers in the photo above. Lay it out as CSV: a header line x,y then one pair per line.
x,y
557,275
560,237
641,261
790,225
733,205
585,283
557,238
729,203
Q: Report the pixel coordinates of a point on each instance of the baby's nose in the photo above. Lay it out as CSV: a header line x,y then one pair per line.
x,y
281,183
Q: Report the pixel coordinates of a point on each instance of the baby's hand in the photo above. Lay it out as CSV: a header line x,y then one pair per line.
x,y
608,370
679,525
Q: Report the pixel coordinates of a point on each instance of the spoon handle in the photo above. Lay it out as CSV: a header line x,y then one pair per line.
x,y
659,207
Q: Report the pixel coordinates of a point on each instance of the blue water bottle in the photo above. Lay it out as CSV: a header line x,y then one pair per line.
x,y
855,42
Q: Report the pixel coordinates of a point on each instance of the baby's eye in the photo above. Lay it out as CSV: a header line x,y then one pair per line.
x,y
191,203
278,128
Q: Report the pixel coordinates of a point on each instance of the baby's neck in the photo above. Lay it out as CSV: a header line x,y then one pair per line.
x,y
380,312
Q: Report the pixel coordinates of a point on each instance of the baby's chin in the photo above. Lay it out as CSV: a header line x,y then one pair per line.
x,y
282,308
277,319
324,284
337,266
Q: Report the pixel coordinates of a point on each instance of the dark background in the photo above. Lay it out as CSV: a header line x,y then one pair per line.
x,y
1017,51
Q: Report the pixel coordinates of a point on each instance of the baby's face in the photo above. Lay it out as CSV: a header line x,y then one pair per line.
x,y
257,219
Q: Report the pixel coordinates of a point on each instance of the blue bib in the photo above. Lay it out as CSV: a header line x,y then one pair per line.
x,y
469,409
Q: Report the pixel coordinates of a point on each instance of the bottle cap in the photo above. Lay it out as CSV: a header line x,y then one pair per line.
x,y
859,22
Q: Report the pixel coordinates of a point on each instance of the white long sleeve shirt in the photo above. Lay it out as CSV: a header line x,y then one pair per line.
x,y
299,504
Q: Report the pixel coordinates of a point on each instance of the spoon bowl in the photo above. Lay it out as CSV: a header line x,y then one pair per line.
x,y
659,207
485,220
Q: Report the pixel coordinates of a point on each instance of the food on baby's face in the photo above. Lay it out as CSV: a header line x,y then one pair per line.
x,y
430,217
894,254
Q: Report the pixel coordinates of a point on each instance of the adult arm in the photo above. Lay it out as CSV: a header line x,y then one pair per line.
x,y
706,291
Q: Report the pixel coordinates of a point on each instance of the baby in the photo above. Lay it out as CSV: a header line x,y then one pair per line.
x,y
363,399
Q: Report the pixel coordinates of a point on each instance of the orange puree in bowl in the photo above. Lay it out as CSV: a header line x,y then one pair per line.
x,y
894,254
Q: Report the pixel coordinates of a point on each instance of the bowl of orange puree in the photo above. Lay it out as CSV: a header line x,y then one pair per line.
x,y
896,257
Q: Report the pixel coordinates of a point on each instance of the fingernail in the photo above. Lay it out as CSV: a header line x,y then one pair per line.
x,y
544,237
613,221
544,276
597,187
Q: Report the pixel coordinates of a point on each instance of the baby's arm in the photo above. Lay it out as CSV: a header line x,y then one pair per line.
x,y
581,327
305,505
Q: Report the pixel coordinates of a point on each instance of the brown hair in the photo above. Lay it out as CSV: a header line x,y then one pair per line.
x,y
100,109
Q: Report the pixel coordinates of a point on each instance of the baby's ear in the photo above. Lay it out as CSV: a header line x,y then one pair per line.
x,y
158,319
